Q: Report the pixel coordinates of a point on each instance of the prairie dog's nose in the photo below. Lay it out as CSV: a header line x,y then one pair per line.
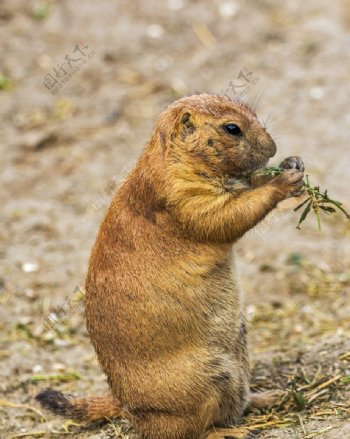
x,y
273,148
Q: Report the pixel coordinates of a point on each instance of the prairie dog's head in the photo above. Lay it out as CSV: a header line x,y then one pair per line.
x,y
215,135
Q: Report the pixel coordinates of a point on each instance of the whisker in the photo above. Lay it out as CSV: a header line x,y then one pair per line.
x,y
257,100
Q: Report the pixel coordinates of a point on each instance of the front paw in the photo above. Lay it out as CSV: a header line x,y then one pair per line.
x,y
289,182
294,162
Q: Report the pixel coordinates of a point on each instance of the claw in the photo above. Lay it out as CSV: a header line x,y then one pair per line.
x,y
294,162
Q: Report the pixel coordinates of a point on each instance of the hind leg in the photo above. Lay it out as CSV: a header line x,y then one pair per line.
x,y
167,426
157,424
255,400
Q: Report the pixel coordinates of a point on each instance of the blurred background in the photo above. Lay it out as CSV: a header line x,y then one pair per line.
x,y
81,84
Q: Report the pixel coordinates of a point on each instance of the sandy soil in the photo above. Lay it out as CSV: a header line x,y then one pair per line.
x,y
64,153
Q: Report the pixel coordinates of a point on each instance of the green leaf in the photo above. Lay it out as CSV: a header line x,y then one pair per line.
x,y
299,400
304,214
5,82
68,376
301,204
327,209
346,380
339,206
42,10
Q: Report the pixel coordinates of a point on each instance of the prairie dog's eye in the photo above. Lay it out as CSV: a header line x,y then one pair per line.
x,y
233,129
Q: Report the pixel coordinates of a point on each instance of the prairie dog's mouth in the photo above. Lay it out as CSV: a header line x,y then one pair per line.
x,y
254,167
258,166
243,179
246,168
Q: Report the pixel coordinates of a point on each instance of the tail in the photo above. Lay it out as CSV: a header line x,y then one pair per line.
x,y
80,409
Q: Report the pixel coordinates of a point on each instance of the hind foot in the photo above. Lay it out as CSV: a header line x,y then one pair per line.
x,y
265,399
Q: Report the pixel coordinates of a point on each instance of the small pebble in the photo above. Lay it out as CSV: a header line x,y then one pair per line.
x,y
30,267
316,93
25,320
59,367
176,5
60,342
37,368
228,9
154,31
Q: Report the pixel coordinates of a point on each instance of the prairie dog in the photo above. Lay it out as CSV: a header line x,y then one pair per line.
x,y
162,298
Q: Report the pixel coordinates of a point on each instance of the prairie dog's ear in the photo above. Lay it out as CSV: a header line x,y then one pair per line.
x,y
186,117
187,125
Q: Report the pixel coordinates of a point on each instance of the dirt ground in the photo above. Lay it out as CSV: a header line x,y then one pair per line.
x,y
80,85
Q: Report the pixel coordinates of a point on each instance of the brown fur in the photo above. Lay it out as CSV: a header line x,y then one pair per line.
x,y
163,301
